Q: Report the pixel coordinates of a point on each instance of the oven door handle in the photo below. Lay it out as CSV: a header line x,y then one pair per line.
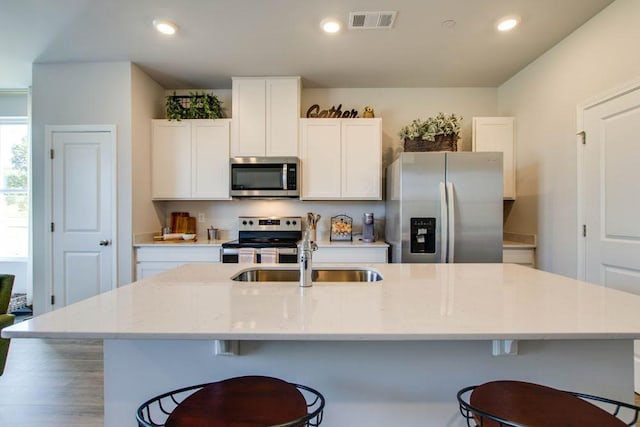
x,y
284,176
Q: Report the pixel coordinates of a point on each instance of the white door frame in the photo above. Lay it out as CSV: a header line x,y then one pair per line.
x,y
48,199
600,99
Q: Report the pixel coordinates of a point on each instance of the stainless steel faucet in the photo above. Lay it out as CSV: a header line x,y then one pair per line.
x,y
306,260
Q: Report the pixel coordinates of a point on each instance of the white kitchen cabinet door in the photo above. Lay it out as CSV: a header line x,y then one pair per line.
x,y
498,134
320,154
145,270
522,256
265,114
341,159
282,114
171,159
190,159
361,159
151,260
210,159
248,107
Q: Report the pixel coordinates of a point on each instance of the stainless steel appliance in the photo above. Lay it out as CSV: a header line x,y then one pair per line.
x,y
445,207
266,232
368,232
264,177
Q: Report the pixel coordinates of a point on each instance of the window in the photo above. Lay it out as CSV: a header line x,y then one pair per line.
x,y
14,187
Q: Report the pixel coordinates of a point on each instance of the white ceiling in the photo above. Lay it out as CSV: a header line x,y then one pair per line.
x,y
218,39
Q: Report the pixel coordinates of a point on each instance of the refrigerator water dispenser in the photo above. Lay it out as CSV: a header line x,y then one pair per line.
x,y
423,235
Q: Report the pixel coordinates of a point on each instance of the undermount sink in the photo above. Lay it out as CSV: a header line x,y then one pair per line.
x,y
318,275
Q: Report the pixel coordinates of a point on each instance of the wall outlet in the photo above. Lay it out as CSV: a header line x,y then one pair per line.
x,y
201,217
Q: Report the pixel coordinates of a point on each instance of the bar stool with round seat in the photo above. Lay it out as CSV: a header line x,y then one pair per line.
x,y
255,401
517,403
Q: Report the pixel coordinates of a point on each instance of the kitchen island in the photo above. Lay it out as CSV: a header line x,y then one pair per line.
x,y
392,352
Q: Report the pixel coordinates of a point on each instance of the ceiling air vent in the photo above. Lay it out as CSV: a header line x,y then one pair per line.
x,y
371,20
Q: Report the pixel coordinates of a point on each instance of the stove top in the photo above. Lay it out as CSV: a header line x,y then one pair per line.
x,y
269,225
267,232
261,244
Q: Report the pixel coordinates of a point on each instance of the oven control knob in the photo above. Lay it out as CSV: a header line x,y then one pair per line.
x,y
250,222
244,222
294,222
288,222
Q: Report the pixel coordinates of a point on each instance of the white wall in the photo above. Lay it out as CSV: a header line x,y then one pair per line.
x,y
599,56
147,102
224,214
72,94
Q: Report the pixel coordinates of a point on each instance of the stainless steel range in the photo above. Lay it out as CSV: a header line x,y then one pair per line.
x,y
257,233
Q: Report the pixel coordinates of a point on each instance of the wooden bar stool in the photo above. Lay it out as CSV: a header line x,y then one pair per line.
x,y
517,404
251,401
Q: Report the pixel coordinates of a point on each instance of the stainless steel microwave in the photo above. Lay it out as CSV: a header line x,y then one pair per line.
x,y
264,177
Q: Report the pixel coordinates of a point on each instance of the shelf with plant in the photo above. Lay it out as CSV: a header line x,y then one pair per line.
x,y
193,106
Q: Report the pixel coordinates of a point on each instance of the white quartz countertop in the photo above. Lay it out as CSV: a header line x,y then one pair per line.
x,y
355,243
519,241
174,243
509,244
412,302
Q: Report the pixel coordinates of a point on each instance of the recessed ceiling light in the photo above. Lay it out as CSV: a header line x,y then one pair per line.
x,y
330,25
507,24
165,27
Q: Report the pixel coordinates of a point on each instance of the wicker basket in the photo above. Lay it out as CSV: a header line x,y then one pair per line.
x,y
442,143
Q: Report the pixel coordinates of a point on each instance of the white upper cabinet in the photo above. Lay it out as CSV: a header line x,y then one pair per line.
x,y
341,159
498,134
170,158
265,113
320,157
362,159
190,159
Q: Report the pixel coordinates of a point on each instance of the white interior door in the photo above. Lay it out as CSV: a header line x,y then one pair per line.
x,y
611,195
83,215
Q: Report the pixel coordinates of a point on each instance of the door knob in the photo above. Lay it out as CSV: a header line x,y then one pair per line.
x,y
104,242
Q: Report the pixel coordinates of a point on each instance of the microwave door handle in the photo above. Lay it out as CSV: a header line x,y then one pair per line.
x,y
284,176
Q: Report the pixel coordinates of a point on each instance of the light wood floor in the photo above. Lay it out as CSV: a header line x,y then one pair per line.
x,y
52,383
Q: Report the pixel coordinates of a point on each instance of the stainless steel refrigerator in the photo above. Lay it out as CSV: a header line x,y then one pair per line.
x,y
445,207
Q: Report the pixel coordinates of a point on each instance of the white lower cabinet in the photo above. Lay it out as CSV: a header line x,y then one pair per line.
x,y
153,260
376,254
522,256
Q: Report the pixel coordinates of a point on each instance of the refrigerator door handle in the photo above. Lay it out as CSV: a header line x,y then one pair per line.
x,y
444,227
451,222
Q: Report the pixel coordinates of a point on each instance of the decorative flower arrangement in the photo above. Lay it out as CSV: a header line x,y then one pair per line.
x,y
428,130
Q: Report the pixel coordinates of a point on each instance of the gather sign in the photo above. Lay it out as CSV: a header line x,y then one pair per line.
x,y
335,113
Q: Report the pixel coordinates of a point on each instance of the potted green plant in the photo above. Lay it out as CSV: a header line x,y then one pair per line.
x,y
193,106
439,133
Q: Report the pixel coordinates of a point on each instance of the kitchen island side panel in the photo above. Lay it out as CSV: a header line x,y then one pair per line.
x,y
403,384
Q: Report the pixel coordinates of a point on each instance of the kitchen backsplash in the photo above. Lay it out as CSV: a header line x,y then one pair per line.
x,y
223,215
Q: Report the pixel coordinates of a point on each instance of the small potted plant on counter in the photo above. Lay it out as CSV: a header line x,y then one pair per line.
x,y
439,133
